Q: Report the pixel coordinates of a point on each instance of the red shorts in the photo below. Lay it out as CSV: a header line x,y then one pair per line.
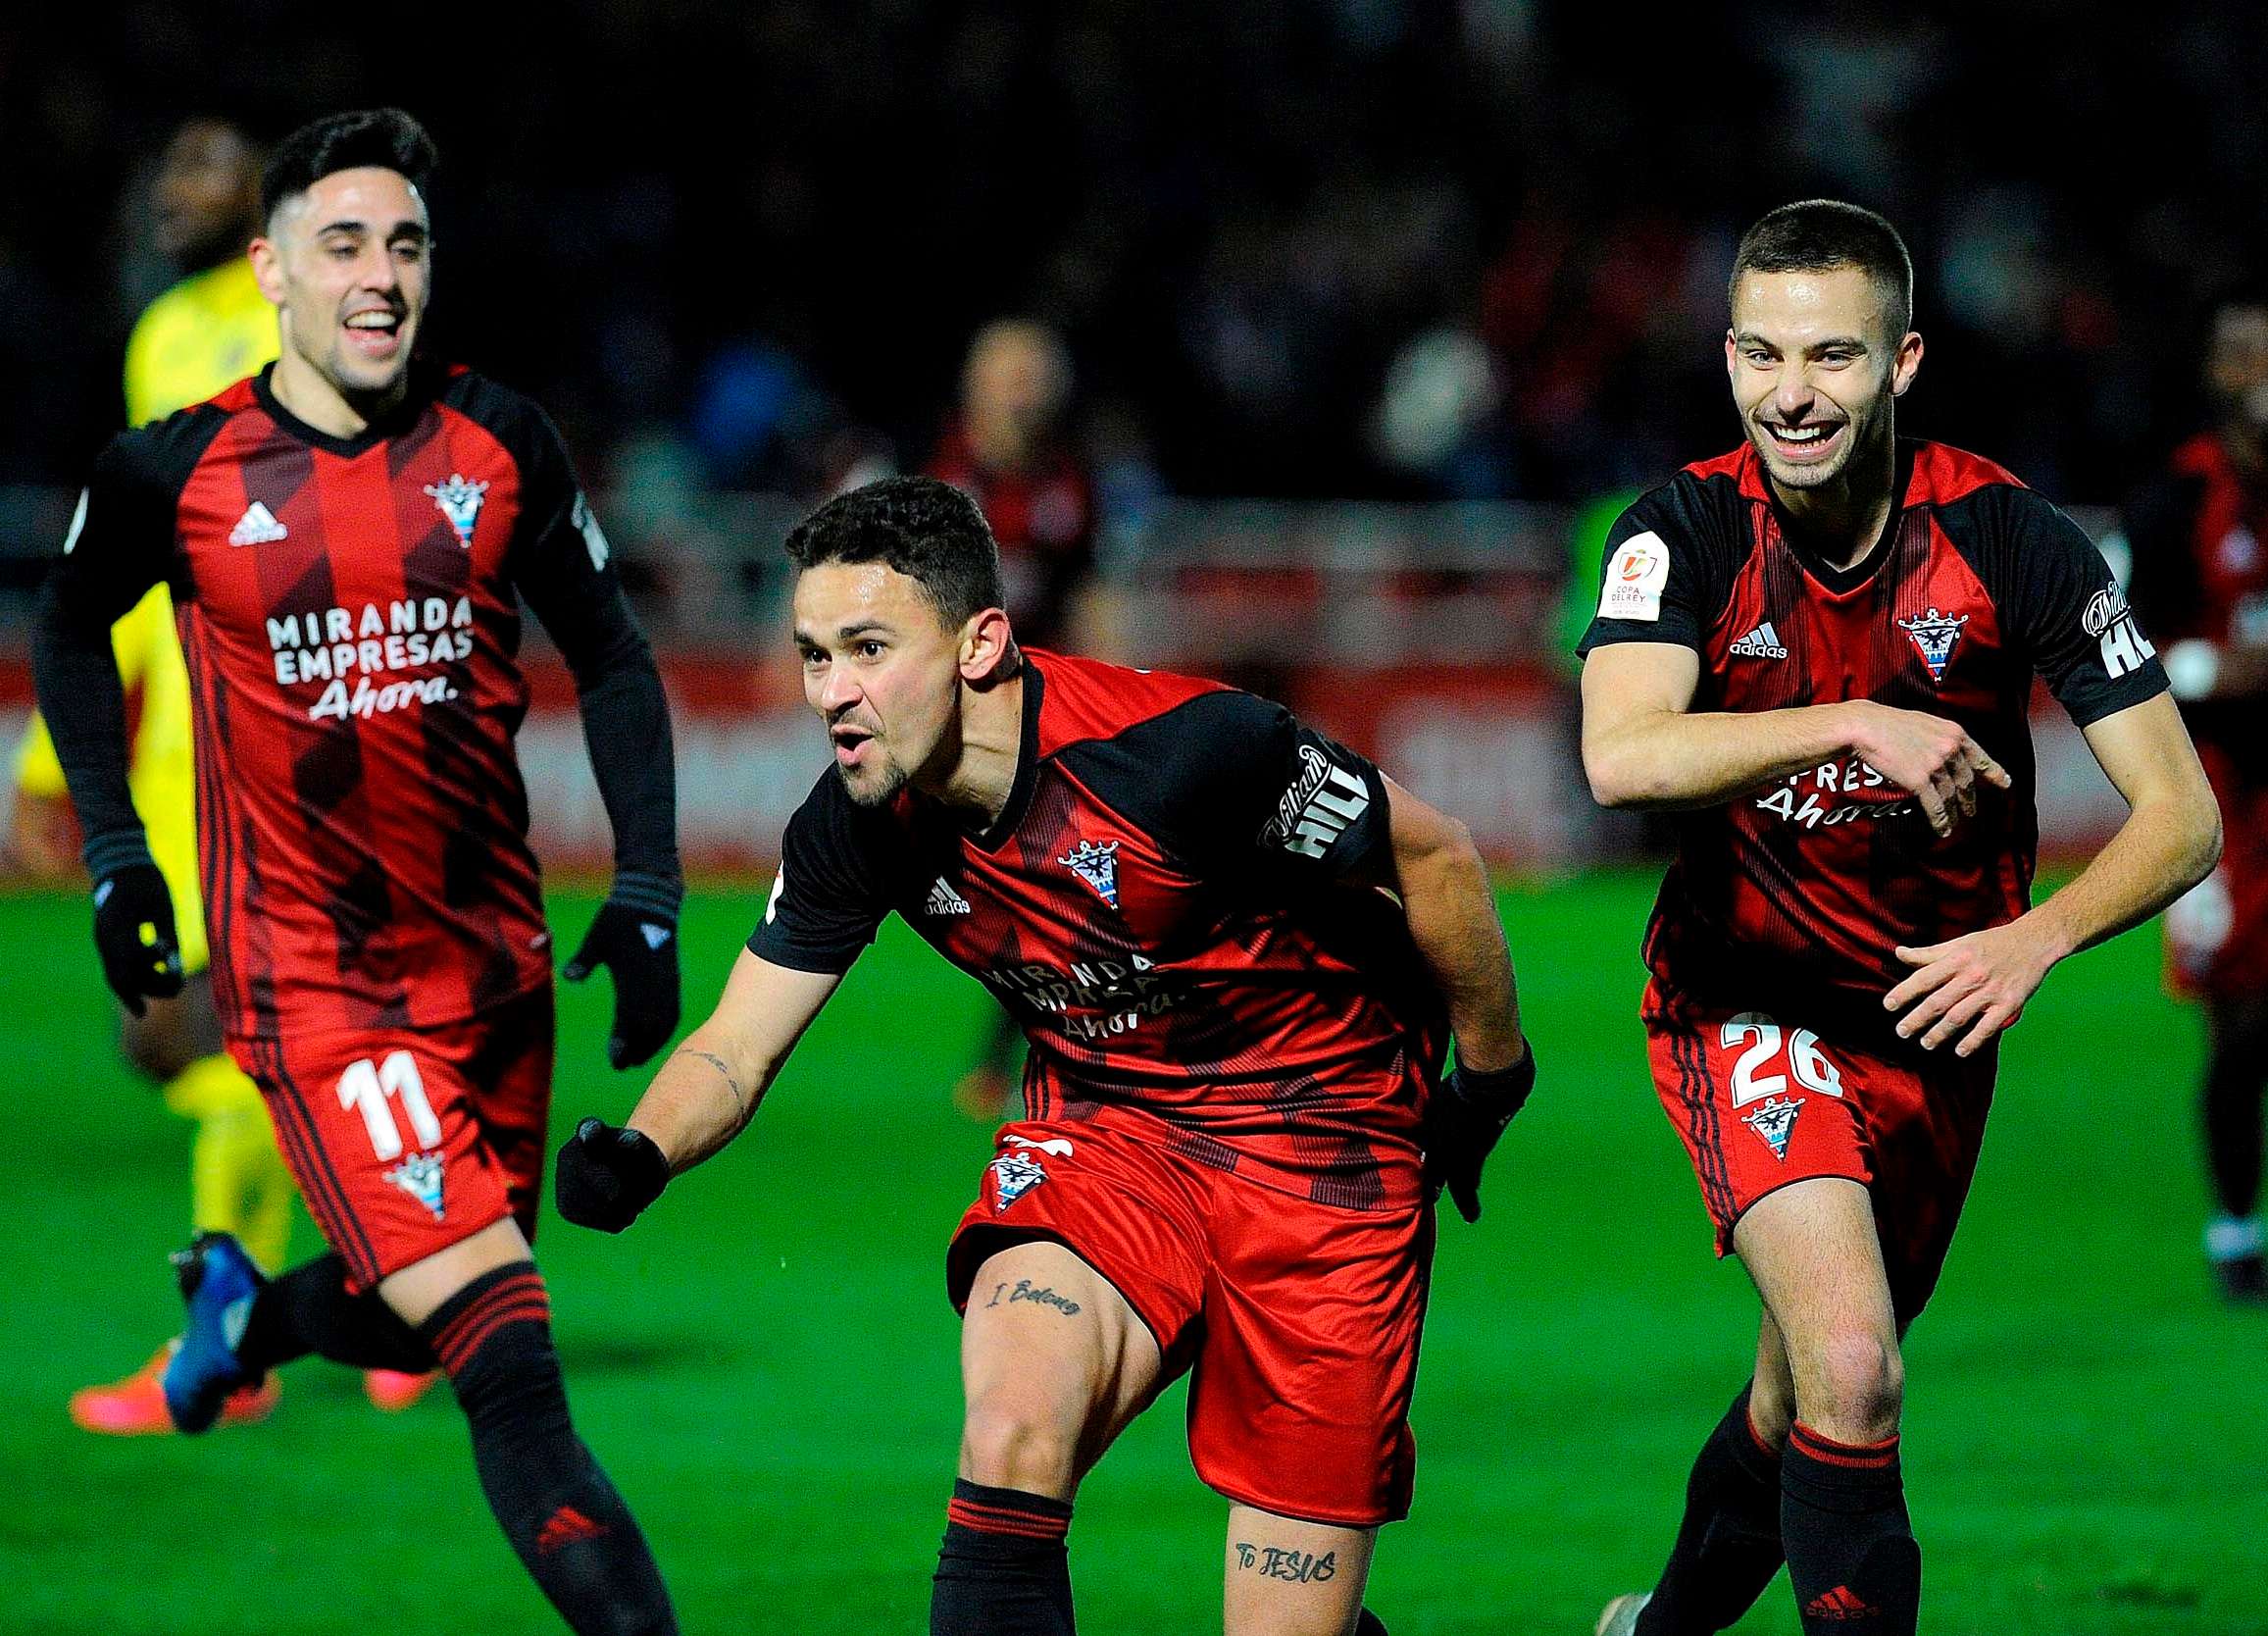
x,y
404,1141
1762,1100
1298,1322
2217,933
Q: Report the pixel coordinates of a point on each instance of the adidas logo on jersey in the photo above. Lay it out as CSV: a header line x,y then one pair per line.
x,y
257,527
943,899
1763,643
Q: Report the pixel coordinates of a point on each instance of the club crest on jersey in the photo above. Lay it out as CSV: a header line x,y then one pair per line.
x,y
1096,863
419,1176
1935,635
1775,1122
460,500
1013,1175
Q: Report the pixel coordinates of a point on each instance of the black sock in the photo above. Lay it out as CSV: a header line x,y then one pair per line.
x,y
569,1527
1369,1624
1728,1547
2232,1111
308,1311
1850,1548
1004,1569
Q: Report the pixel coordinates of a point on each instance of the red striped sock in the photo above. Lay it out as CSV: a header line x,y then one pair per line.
x,y
462,1323
1003,1569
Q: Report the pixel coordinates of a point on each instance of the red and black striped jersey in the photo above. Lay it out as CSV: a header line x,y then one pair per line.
x,y
1043,519
349,608
1171,905
1976,586
2200,539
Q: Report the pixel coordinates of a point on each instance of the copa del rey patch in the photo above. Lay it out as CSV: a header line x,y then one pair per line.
x,y
1635,577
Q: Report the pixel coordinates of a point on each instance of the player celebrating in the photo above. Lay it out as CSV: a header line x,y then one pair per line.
x,y
348,537
206,332
1235,1036
1819,649
2200,578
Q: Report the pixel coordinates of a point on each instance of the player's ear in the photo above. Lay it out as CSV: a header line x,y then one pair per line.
x,y
986,644
1905,362
268,268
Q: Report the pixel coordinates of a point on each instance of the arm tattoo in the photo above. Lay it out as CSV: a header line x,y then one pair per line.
x,y
739,1097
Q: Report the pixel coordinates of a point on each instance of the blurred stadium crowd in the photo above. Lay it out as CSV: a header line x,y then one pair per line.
x,y
1355,248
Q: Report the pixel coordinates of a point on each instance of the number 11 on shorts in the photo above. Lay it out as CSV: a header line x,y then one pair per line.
x,y
369,1086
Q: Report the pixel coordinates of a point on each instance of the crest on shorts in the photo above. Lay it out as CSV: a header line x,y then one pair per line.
x,y
1016,1174
1775,1122
1935,635
460,501
1096,863
419,1176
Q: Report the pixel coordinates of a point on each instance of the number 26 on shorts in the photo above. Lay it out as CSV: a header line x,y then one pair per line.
x,y
369,1086
1763,1038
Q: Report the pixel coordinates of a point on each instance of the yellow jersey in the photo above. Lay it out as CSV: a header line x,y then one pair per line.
x,y
204,335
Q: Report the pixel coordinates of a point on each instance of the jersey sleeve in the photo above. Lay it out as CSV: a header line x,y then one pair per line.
x,y
561,565
830,894
1230,783
1668,571
120,542
2066,608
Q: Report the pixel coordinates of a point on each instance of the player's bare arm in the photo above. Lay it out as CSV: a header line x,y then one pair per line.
x,y
1643,748
1452,919
711,1085
2170,840
707,1090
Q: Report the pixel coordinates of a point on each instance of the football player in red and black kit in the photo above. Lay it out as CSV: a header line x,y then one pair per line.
x,y
1819,650
348,538
2200,539
1238,953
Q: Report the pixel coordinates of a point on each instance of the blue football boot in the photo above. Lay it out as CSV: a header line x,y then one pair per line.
x,y
219,1281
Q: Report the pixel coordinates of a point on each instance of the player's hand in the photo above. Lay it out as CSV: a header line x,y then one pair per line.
x,y
606,1175
135,933
639,945
1979,983
1931,759
1463,1121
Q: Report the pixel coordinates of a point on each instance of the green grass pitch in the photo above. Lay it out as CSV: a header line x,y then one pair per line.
x,y
766,1362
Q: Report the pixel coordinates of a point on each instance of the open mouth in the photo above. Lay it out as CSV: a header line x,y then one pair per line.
x,y
374,334
851,745
1807,443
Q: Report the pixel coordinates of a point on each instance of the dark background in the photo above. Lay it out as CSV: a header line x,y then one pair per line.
x,y
746,245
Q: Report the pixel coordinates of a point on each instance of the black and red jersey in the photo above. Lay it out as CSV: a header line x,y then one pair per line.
x,y
1976,586
1171,904
1043,519
2200,539
349,610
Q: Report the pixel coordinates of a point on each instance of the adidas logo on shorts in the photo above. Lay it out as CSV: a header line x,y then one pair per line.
x,y
257,527
1763,643
943,899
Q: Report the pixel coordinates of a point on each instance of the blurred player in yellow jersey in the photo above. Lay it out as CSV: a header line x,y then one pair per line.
x,y
205,334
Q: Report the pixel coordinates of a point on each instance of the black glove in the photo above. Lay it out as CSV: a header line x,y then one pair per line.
x,y
134,930
1463,1120
605,1176
635,937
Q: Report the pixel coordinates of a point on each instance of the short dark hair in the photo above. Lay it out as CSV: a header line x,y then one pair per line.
x,y
383,137
1813,235
929,530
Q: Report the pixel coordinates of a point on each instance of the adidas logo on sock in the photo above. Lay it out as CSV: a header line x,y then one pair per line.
x,y
257,527
1840,1604
1763,643
654,934
564,1527
943,899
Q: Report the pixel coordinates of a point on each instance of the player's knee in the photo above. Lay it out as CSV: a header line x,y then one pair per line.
x,y
1859,1380
1008,1443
